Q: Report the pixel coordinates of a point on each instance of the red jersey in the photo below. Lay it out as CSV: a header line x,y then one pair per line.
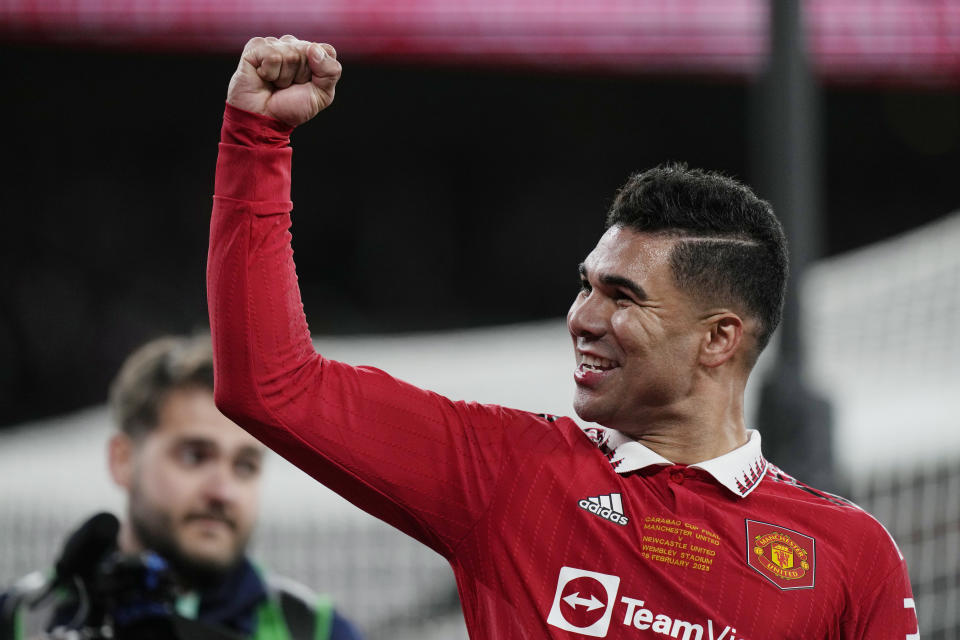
x,y
552,531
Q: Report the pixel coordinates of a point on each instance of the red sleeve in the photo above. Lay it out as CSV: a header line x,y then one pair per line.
x,y
885,608
421,462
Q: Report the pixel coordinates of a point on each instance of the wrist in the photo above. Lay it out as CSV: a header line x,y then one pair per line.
x,y
248,129
254,161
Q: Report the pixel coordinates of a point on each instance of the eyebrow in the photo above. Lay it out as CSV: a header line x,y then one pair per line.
x,y
193,441
612,280
206,443
259,452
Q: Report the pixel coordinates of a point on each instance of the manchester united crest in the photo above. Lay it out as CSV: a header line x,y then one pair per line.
x,y
783,556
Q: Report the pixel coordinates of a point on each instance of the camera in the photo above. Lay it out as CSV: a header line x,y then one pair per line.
x,y
133,596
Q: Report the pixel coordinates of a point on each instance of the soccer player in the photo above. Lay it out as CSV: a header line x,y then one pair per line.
x,y
666,520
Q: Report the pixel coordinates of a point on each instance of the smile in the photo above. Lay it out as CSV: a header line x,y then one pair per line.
x,y
592,370
590,362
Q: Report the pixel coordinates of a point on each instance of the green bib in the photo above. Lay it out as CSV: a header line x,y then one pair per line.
x,y
285,617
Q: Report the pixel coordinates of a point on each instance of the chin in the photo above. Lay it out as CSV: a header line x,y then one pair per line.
x,y
220,556
588,411
201,571
214,559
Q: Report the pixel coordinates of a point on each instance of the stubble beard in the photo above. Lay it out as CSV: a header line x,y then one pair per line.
x,y
591,406
154,530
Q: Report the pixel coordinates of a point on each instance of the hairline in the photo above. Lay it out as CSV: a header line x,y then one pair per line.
x,y
139,430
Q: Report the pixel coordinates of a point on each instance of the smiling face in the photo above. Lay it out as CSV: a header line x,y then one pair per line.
x,y
636,337
193,483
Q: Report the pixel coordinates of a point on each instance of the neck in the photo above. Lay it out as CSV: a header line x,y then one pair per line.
x,y
697,428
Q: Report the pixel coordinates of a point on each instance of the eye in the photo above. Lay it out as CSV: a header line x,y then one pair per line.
x,y
585,286
192,455
247,467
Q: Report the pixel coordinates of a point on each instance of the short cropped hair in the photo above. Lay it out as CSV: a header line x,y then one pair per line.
x,y
151,373
731,248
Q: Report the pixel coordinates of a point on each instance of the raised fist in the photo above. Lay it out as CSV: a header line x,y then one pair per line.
x,y
287,79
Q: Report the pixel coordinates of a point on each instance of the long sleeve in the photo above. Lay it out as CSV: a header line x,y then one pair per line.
x,y
423,463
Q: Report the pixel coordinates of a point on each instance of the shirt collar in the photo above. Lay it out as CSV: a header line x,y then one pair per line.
x,y
740,470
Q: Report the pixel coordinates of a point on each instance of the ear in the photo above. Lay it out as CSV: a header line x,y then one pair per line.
x,y
722,340
120,454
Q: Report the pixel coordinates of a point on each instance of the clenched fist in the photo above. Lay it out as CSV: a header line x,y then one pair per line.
x,y
287,79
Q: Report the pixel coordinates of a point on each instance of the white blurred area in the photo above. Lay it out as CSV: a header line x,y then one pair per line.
x,y
882,325
880,322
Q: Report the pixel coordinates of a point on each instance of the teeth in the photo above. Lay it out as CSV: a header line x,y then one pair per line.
x,y
593,362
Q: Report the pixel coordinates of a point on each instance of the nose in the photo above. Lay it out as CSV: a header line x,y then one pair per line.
x,y
220,485
586,318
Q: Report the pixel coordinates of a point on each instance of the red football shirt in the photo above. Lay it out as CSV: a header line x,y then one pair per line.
x,y
552,531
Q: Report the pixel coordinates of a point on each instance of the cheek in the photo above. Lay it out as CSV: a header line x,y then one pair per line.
x,y
248,504
170,487
685,341
633,334
252,496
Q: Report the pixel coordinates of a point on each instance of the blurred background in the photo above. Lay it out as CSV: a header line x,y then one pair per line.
x,y
442,205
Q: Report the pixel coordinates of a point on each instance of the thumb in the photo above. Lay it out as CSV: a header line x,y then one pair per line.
x,y
316,57
323,61
327,49
325,70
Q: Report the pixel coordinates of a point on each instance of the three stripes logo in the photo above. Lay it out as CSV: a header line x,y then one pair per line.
x,y
608,507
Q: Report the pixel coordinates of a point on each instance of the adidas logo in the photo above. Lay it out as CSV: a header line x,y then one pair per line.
x,y
609,507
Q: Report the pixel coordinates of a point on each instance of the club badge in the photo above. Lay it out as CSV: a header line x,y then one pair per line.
x,y
783,556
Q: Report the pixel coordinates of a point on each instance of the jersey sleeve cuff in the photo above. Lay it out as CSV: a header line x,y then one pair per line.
x,y
253,166
260,177
252,129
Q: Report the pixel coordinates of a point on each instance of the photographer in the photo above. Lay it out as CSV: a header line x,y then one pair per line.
x,y
176,565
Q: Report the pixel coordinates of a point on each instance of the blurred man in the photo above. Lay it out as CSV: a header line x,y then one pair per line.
x,y
192,480
666,521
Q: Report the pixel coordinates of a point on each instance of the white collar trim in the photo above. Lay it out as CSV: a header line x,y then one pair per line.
x,y
740,470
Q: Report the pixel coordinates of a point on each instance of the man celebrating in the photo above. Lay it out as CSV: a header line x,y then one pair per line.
x,y
667,520
192,480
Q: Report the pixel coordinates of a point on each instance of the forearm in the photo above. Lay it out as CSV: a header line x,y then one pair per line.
x,y
256,317
267,376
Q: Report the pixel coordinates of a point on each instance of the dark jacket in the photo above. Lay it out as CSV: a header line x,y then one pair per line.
x,y
243,604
